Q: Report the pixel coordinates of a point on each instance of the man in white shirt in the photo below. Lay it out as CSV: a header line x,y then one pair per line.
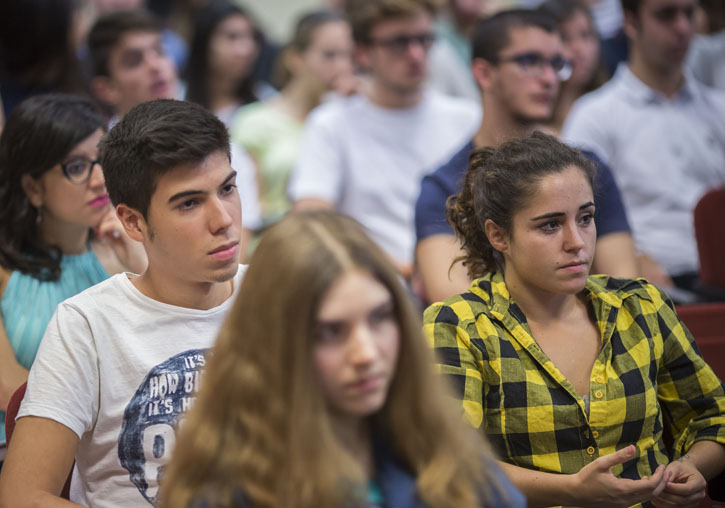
x,y
365,155
661,132
120,361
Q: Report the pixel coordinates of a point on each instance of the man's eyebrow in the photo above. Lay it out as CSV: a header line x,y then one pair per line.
x,y
559,214
231,176
194,192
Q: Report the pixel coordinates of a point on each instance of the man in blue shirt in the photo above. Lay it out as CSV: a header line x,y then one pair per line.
x,y
518,64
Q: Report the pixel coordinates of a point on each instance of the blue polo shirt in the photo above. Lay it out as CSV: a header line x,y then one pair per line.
x,y
430,209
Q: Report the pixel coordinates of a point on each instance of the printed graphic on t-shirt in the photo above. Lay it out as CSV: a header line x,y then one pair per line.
x,y
148,432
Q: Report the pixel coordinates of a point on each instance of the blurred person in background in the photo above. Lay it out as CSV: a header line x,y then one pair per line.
x,y
174,45
224,50
60,234
663,134
37,50
365,155
707,52
316,62
450,56
581,47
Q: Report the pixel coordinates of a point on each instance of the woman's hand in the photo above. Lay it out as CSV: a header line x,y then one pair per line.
x,y
130,253
686,487
601,488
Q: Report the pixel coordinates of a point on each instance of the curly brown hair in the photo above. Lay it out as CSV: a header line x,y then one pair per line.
x,y
499,182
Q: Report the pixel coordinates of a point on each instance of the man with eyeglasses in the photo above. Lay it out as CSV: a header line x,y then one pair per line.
x,y
663,134
518,64
365,155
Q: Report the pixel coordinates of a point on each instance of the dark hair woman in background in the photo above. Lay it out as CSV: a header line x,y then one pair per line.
x,y
59,231
582,46
224,50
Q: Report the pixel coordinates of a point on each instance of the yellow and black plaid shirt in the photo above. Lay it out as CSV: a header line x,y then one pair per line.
x,y
648,375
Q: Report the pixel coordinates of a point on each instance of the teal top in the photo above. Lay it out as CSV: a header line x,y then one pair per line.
x,y
374,495
28,304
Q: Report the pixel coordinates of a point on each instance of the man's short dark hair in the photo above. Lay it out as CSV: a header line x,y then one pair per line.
x,y
631,6
153,138
108,30
493,34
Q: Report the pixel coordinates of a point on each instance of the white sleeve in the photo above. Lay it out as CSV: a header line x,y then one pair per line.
x,y
247,185
588,128
63,384
319,170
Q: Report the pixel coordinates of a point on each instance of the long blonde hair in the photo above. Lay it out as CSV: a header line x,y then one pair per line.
x,y
260,425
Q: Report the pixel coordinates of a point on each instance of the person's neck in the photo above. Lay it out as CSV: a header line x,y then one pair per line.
x,y
164,287
221,94
390,98
69,238
568,95
355,435
464,24
498,127
666,80
297,99
542,307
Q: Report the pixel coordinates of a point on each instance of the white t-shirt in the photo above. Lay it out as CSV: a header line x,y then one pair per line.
x,y
118,368
368,161
664,153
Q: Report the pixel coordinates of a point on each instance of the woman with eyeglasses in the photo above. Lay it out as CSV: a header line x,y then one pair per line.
x,y
321,393
58,231
576,379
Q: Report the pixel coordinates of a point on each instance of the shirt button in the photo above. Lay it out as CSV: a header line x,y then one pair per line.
x,y
591,450
595,434
598,394
599,379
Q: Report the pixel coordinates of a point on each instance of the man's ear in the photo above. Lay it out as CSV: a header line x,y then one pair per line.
x,y
33,190
133,222
362,56
104,89
483,72
291,60
496,235
631,25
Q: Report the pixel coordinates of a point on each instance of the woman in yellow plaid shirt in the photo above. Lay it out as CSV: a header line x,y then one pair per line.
x,y
589,376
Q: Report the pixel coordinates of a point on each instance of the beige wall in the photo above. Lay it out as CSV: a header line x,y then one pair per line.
x,y
277,17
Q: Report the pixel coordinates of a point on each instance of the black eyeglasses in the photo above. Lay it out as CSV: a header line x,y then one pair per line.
x,y
79,169
399,44
535,63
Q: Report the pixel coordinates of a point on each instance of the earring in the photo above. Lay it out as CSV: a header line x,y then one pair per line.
x,y
39,217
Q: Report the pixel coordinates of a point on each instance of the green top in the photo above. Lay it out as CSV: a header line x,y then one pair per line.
x,y
273,140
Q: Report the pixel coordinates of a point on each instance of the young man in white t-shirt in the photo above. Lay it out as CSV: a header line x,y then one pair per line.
x,y
120,361
365,155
